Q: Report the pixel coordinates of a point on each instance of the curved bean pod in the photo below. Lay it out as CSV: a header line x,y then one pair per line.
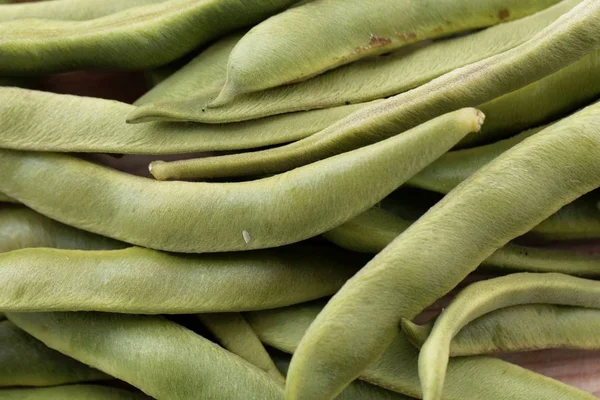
x,y
25,361
547,326
75,392
572,36
236,335
311,200
40,121
127,347
364,80
397,369
144,281
503,200
22,228
71,10
136,38
483,297
302,42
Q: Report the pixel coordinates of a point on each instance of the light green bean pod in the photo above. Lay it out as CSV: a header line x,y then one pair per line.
x,y
71,392
214,217
357,390
71,10
128,346
136,38
483,297
503,200
144,281
236,335
22,228
397,369
25,361
520,328
40,121
303,42
203,76
364,80
572,36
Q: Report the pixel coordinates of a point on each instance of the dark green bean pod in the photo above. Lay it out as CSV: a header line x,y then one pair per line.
x,y
136,38
397,369
71,392
127,347
214,217
40,121
572,36
364,80
25,361
21,228
520,328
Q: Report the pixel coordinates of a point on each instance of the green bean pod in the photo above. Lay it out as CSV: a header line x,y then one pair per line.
x,y
40,121
361,81
503,200
5,199
236,335
127,347
22,228
136,38
213,217
25,361
302,42
483,297
144,281
68,10
572,36
397,369
74,392
520,328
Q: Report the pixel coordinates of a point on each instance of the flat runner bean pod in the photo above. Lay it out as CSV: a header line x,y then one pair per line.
x,y
397,369
75,392
364,80
144,281
547,326
483,297
573,35
136,38
40,121
21,227
503,200
25,361
71,10
236,335
188,217
127,347
302,42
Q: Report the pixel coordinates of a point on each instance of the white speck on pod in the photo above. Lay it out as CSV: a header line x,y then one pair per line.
x,y
246,236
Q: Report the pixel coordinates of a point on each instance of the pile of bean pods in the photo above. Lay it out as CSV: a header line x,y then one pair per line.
x,y
314,175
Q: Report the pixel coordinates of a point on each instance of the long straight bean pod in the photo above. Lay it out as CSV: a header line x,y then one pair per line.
x,y
364,80
212,217
397,369
483,297
236,335
136,38
564,42
21,228
520,328
74,392
39,121
144,281
302,42
127,347
68,10
503,200
25,361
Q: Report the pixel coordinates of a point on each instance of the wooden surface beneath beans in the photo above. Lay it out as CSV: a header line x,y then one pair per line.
x,y
578,368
